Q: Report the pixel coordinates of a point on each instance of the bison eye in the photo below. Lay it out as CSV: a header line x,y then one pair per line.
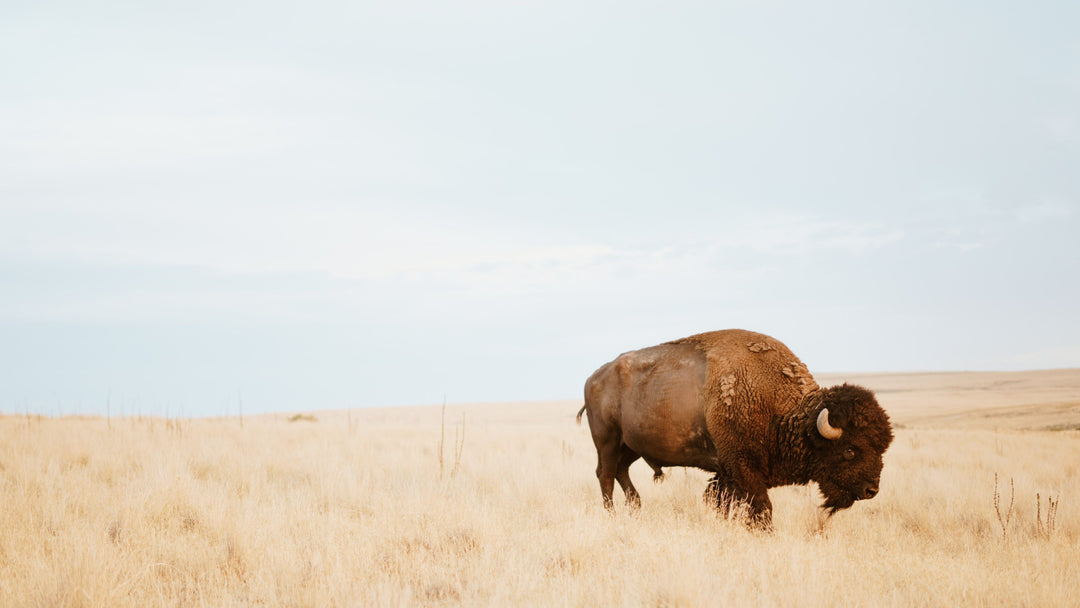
x,y
849,454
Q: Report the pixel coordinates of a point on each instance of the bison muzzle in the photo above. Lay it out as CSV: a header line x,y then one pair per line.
x,y
740,405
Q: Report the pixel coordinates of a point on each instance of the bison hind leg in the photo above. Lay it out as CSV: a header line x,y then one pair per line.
x,y
607,457
622,475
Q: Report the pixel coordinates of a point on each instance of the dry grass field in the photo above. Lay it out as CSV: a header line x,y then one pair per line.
x,y
358,509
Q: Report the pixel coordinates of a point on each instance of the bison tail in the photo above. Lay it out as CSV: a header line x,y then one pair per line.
x,y
580,412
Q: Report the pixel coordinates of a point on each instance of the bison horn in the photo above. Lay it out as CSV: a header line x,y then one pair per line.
x,y
827,430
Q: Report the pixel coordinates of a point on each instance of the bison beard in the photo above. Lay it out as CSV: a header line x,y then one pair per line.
x,y
835,498
740,405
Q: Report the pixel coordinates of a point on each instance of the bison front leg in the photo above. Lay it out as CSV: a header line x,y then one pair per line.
x,y
730,494
761,511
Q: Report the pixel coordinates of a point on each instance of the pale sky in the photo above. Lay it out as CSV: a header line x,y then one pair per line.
x,y
325,205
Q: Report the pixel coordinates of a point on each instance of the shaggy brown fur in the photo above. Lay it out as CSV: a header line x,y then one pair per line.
x,y
739,404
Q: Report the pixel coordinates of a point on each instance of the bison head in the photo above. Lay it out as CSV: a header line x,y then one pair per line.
x,y
848,433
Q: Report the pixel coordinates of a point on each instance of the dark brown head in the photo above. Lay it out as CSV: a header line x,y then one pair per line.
x,y
848,434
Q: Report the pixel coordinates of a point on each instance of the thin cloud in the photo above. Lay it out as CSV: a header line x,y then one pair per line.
x,y
1044,212
785,234
383,242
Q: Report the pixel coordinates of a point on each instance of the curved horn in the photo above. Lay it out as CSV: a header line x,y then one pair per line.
x,y
827,430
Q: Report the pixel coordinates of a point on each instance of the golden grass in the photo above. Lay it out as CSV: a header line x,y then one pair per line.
x,y
350,509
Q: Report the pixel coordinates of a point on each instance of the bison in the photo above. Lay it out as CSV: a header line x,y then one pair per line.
x,y
740,405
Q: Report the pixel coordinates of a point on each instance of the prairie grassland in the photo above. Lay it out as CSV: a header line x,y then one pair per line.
x,y
353,509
